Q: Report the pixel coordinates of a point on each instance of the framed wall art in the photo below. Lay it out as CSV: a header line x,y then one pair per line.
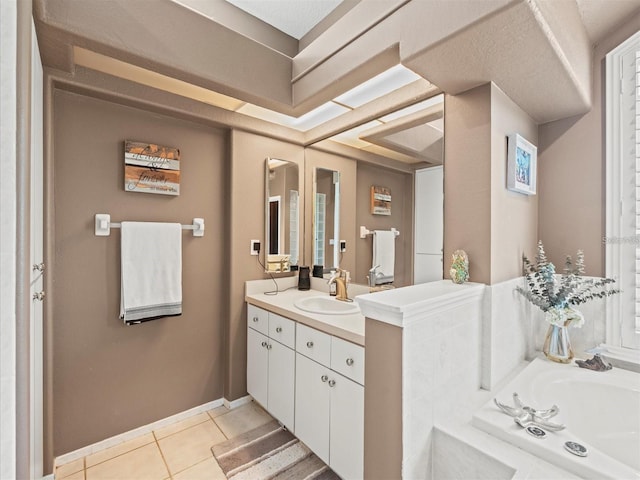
x,y
522,165
151,168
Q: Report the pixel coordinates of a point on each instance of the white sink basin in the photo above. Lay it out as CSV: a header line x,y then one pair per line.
x,y
327,305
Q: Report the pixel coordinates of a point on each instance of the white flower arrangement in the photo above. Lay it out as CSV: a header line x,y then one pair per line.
x,y
556,294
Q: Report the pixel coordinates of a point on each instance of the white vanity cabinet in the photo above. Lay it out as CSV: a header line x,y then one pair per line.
x,y
271,363
329,407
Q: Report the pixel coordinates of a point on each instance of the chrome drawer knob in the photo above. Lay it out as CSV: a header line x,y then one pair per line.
x,y
349,361
269,346
255,319
279,329
310,344
324,378
332,383
264,344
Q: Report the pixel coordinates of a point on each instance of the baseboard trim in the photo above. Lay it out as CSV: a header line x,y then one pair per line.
x,y
136,432
238,402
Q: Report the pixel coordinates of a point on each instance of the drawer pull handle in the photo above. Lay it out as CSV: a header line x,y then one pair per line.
x,y
255,319
310,344
349,361
279,329
332,383
324,378
264,344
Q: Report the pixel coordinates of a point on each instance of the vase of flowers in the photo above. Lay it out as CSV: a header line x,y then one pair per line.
x,y
557,295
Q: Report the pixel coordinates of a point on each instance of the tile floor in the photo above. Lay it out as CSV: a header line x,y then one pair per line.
x,y
180,451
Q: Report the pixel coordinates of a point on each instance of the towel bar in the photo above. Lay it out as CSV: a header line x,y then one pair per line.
x,y
364,232
104,225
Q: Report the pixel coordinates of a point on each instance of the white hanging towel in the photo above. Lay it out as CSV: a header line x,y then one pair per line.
x,y
151,269
384,254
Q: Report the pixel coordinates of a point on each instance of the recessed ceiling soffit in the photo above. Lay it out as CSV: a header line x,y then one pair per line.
x,y
456,45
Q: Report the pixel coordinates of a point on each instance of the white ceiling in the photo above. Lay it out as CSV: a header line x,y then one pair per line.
x,y
600,16
297,17
293,17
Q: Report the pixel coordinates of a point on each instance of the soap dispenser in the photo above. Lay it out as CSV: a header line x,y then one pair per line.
x,y
304,282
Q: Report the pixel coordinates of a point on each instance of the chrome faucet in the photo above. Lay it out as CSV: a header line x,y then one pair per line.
x,y
373,276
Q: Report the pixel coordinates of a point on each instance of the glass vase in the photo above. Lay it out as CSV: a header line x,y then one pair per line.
x,y
557,345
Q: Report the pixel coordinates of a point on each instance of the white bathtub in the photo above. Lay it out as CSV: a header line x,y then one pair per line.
x,y
600,409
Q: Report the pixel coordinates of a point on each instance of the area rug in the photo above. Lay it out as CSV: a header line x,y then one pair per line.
x,y
269,452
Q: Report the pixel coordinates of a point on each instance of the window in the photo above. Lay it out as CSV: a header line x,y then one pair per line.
x,y
623,191
320,213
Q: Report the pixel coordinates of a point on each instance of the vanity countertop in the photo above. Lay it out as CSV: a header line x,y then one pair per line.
x,y
347,327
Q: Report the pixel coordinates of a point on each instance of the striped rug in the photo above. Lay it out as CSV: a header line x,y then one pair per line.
x,y
269,452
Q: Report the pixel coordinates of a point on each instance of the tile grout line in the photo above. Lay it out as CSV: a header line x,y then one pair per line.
x,y
155,440
116,456
213,419
164,460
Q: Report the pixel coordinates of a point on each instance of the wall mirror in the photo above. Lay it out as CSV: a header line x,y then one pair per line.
x,y
412,139
282,216
326,218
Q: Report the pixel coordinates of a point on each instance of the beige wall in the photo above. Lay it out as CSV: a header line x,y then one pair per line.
x,y
492,224
467,180
572,172
401,218
109,378
245,193
514,216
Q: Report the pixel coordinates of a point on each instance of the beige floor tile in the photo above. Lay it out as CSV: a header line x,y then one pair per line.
x,y
206,470
143,463
216,412
182,425
191,446
242,419
70,468
74,476
119,449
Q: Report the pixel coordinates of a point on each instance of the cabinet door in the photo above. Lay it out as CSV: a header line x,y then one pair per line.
x,y
346,455
257,366
312,405
281,383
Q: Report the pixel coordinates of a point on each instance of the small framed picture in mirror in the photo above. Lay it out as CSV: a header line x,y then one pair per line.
x,y
380,200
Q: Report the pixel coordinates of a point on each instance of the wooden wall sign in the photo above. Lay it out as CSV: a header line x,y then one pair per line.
x,y
380,200
151,168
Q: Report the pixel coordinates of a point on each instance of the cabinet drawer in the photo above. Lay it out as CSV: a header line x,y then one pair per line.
x,y
348,359
313,344
258,319
282,329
